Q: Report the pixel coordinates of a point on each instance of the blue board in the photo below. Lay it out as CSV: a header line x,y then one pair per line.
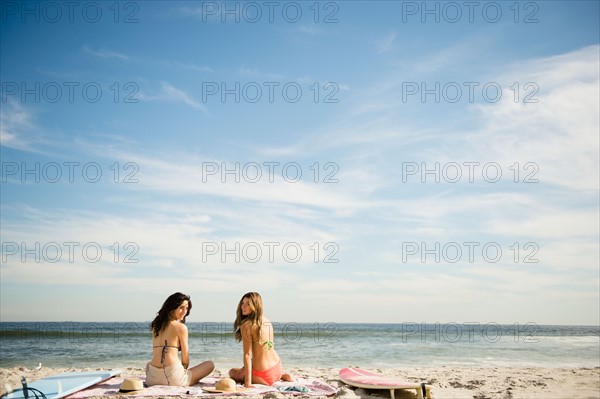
x,y
67,383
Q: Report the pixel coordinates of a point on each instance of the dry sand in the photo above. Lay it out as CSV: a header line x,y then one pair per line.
x,y
446,382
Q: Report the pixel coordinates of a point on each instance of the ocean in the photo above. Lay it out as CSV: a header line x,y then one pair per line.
x,y
331,345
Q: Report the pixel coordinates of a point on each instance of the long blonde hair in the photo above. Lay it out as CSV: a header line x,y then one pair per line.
x,y
255,318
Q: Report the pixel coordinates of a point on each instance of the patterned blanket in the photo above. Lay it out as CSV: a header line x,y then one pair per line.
x,y
110,387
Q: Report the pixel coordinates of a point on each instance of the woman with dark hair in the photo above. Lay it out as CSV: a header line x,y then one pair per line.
x,y
261,363
169,336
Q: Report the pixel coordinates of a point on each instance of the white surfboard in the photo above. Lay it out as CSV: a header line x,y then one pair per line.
x,y
61,385
364,379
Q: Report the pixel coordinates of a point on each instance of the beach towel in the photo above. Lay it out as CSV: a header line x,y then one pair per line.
x,y
310,386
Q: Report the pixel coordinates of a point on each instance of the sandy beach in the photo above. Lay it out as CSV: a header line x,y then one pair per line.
x,y
446,382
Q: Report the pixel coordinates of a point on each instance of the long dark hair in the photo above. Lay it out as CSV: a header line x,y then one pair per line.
x,y
254,318
163,317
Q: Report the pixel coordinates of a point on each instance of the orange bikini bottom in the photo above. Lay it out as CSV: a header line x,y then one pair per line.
x,y
271,375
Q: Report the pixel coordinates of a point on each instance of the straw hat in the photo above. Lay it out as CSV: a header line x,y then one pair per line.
x,y
225,385
131,385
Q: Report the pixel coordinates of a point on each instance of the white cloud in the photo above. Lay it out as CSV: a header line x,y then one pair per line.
x,y
174,94
191,67
256,73
244,70
560,132
14,118
19,130
106,54
386,43
310,30
369,207
170,93
211,12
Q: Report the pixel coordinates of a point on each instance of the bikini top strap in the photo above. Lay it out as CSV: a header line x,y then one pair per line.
x,y
166,346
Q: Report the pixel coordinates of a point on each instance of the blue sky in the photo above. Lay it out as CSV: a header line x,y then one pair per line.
x,y
147,145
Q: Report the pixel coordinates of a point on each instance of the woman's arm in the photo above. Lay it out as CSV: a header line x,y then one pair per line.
x,y
247,348
183,341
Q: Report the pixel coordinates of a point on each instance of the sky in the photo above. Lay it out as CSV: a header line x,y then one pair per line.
x,y
352,161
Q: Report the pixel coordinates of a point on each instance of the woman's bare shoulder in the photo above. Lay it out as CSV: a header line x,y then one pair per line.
x,y
266,324
246,325
247,328
178,326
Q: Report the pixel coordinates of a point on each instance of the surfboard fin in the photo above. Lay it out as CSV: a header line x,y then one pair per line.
x,y
425,391
25,389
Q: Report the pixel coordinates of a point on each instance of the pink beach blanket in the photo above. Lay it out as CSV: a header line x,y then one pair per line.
x,y
111,388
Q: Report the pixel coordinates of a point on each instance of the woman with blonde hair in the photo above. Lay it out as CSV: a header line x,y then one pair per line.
x,y
169,336
262,365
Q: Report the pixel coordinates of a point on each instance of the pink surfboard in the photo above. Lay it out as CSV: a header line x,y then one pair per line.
x,y
364,379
